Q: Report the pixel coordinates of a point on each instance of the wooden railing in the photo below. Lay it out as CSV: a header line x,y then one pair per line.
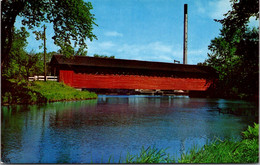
x,y
41,78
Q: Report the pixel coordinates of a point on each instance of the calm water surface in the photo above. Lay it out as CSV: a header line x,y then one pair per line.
x,y
93,131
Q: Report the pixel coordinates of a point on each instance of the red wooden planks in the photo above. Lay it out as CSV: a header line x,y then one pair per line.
x,y
79,80
66,76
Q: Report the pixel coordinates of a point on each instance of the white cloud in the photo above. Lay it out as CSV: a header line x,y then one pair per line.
x,y
200,8
153,51
160,47
218,8
197,55
106,45
113,34
197,51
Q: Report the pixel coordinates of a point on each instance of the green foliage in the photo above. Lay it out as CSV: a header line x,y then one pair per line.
x,y
237,64
224,152
234,54
37,68
238,17
245,151
20,64
216,152
72,22
54,91
14,92
251,132
103,56
149,155
14,65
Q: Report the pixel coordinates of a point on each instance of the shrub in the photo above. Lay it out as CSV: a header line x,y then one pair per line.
x,y
14,92
245,151
251,132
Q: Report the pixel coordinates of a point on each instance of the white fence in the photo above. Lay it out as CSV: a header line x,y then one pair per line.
x,y
41,78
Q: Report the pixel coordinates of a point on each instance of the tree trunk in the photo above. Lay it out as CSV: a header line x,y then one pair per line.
x,y
9,11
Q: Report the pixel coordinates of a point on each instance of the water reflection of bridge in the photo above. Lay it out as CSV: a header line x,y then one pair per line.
x,y
103,73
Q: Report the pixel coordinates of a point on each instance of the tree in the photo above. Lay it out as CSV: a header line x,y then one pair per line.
x,y
14,67
103,56
20,64
248,51
234,54
239,16
72,21
39,65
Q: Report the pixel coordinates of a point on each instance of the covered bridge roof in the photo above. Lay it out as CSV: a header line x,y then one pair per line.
x,y
129,64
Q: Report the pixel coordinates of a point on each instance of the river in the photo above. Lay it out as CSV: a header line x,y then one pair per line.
x,y
94,131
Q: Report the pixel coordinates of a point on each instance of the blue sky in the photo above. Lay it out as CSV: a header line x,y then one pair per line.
x,y
150,30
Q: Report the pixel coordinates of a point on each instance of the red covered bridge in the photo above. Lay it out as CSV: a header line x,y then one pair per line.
x,y
106,73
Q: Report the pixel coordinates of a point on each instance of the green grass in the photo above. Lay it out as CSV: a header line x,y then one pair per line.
x,y
224,152
149,155
244,151
55,91
25,92
14,92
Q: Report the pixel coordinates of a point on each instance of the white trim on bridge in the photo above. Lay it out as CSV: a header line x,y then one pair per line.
x,y
41,78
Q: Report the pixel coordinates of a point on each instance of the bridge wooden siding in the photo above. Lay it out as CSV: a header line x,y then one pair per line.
x,y
79,80
90,72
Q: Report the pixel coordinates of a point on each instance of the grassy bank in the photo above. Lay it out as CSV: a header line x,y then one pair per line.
x,y
55,91
244,151
40,92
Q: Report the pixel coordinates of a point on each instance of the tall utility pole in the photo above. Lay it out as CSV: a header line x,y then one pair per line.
x,y
185,38
44,35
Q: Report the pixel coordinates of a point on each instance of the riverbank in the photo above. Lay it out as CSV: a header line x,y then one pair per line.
x,y
227,151
40,92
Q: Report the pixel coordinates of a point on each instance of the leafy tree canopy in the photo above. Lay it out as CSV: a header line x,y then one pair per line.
x,y
238,17
71,19
18,50
234,53
20,64
103,56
